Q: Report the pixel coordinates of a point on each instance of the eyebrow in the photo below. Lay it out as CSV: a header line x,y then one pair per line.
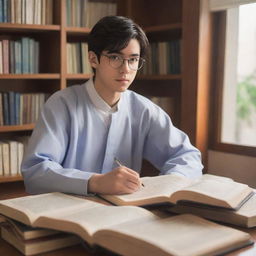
x,y
120,53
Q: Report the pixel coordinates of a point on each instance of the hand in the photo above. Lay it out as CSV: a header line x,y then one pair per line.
x,y
120,180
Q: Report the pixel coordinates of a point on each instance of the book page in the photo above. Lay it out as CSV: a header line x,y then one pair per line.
x,y
185,235
86,221
28,209
248,209
214,192
156,190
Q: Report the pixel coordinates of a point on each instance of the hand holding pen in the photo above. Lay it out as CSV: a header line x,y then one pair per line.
x,y
120,164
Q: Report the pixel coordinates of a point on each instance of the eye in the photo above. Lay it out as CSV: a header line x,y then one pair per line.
x,y
134,60
114,57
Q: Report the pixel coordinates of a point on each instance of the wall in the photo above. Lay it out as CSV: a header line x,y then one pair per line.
x,y
240,168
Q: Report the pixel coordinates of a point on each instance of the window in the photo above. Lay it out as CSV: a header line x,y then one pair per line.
x,y
235,69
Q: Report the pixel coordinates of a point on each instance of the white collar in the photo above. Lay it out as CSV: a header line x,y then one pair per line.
x,y
97,101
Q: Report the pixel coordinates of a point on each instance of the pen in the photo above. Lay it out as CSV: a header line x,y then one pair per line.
x,y
120,164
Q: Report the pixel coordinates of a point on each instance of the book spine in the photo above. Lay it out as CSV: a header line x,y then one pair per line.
x,y
6,109
12,107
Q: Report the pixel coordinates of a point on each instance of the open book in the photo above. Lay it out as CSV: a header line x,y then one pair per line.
x,y
208,190
126,230
245,216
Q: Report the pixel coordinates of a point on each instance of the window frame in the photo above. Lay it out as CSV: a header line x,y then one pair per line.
x,y
217,81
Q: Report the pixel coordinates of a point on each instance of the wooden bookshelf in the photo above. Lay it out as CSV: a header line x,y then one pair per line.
x,y
185,20
4,179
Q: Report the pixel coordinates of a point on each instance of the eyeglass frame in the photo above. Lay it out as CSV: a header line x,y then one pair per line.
x,y
123,60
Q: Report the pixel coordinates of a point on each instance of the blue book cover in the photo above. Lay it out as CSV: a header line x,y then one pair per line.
x,y
36,57
1,11
25,54
17,108
12,108
17,49
5,10
6,108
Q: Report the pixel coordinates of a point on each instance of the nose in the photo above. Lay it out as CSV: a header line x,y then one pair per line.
x,y
125,67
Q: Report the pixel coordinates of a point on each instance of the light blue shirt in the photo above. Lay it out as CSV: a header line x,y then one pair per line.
x,y
71,141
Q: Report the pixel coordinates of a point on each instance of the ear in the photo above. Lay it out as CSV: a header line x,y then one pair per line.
x,y
93,59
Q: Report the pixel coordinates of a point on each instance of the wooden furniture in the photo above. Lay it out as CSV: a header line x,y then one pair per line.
x,y
187,20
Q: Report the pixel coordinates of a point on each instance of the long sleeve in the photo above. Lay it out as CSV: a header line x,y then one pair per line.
x,y
169,149
42,167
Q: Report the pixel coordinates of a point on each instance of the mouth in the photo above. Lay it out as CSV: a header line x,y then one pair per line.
x,y
122,80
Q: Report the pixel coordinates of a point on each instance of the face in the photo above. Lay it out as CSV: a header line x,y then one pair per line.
x,y
110,82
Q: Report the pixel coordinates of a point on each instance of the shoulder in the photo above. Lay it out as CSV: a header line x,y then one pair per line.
x,y
138,100
142,104
68,96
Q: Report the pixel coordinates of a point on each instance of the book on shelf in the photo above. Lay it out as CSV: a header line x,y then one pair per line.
x,y
26,11
126,230
19,56
11,154
244,217
85,13
77,55
21,108
5,148
211,190
163,58
36,245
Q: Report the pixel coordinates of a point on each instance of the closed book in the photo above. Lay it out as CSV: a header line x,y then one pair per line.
x,y
13,147
11,102
17,49
5,56
6,109
1,110
25,55
6,157
1,162
38,245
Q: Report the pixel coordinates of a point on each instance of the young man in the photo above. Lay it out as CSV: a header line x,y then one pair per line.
x,y
84,128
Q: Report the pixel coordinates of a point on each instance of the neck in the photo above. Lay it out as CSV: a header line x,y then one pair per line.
x,y
111,98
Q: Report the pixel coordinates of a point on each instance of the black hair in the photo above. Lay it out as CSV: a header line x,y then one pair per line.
x,y
113,33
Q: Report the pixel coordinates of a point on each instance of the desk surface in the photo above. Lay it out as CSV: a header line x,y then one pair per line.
x,y
79,250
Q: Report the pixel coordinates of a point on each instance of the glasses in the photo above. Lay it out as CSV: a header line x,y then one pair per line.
x,y
116,61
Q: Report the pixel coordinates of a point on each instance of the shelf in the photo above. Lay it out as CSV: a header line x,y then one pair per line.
x,y
10,178
159,77
11,128
161,28
77,30
30,76
78,76
8,27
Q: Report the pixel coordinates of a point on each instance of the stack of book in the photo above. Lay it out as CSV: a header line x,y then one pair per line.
x,y
163,58
85,13
20,108
77,55
19,56
31,241
130,230
26,11
11,154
